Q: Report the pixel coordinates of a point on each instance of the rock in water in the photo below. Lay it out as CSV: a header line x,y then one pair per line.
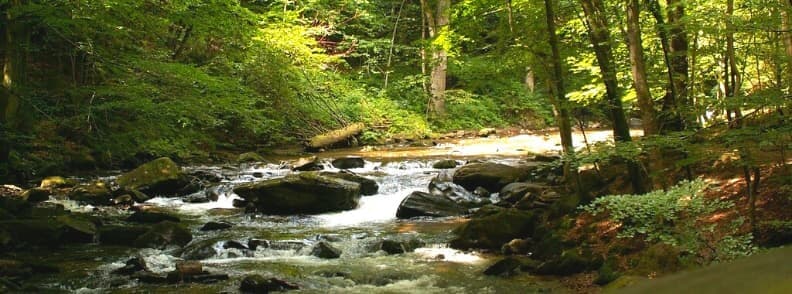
x,y
325,250
425,204
504,267
307,164
348,162
516,191
307,192
259,284
161,177
492,231
404,245
250,157
151,217
164,234
367,186
445,164
120,235
97,193
215,226
490,176
199,250
36,195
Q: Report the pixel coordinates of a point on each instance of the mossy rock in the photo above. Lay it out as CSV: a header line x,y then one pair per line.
x,y
445,164
160,177
36,195
77,229
607,273
57,182
96,193
492,231
250,157
658,258
164,234
367,186
120,235
569,262
33,232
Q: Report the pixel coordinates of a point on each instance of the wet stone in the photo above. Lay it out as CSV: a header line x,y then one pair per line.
x,y
234,244
325,250
260,284
215,226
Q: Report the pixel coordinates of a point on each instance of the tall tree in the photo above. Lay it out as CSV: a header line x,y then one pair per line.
x,y
15,38
559,97
599,33
438,15
786,27
638,63
678,51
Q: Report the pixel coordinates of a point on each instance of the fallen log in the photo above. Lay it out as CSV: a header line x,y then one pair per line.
x,y
335,136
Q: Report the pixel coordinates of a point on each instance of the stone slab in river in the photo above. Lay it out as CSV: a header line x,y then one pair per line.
x,y
425,204
304,193
490,176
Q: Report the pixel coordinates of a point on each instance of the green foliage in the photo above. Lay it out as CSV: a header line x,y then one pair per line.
x,y
674,217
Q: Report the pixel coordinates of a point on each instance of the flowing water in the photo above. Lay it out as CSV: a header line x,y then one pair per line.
x,y
434,268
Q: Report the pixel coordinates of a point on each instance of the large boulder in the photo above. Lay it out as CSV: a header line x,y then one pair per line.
x,y
492,231
516,191
199,250
445,164
348,162
120,235
96,193
425,204
36,195
490,176
164,234
151,217
367,186
46,232
323,249
456,193
161,177
308,192
32,232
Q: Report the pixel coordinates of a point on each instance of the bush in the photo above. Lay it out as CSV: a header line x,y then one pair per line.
x,y
673,217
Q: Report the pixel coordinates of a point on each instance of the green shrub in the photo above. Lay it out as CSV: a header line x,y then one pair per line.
x,y
673,217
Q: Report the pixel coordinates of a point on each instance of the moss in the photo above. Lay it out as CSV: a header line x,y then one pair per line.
x,y
658,258
157,171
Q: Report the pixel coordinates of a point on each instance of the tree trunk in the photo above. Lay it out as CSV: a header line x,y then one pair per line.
x,y
438,20
600,39
560,101
14,62
667,116
678,50
734,79
786,12
644,96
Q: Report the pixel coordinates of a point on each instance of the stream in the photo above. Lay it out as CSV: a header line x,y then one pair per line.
x,y
432,268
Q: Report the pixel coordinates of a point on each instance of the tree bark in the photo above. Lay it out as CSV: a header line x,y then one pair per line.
x,y
600,38
678,50
645,101
560,101
786,27
438,20
734,79
14,62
